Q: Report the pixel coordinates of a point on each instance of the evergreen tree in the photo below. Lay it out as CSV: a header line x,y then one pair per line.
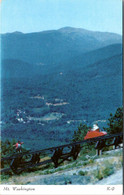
x,y
80,133
115,122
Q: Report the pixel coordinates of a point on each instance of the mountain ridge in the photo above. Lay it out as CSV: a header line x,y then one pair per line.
x,y
66,28
11,66
52,47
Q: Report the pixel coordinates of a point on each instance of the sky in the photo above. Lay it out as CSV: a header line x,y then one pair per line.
x,y
38,15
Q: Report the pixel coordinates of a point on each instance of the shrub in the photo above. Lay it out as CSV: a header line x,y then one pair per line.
x,y
82,173
108,171
103,172
98,174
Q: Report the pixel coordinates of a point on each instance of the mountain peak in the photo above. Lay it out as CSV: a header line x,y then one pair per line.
x,y
17,32
72,29
67,28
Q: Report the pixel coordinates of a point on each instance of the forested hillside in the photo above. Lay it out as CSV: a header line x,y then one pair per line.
x,y
54,80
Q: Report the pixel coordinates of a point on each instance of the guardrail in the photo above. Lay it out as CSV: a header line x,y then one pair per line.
x,y
21,161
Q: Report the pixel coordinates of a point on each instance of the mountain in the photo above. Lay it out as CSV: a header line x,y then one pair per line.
x,y
12,68
99,36
53,80
85,59
16,69
54,46
96,86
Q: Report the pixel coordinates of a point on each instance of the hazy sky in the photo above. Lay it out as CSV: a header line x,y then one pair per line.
x,y
38,15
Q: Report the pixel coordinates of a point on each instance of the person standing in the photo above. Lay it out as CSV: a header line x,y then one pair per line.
x,y
18,146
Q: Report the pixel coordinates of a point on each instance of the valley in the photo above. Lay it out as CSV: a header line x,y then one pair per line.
x,y
56,80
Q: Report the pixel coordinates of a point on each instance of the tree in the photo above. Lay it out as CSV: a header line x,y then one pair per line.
x,y
115,122
80,133
7,147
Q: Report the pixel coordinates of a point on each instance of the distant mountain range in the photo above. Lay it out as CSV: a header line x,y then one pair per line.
x,y
55,46
25,55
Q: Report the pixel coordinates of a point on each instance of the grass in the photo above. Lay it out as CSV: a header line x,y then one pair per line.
x,y
103,172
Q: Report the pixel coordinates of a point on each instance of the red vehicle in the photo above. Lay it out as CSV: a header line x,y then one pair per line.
x,y
94,132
